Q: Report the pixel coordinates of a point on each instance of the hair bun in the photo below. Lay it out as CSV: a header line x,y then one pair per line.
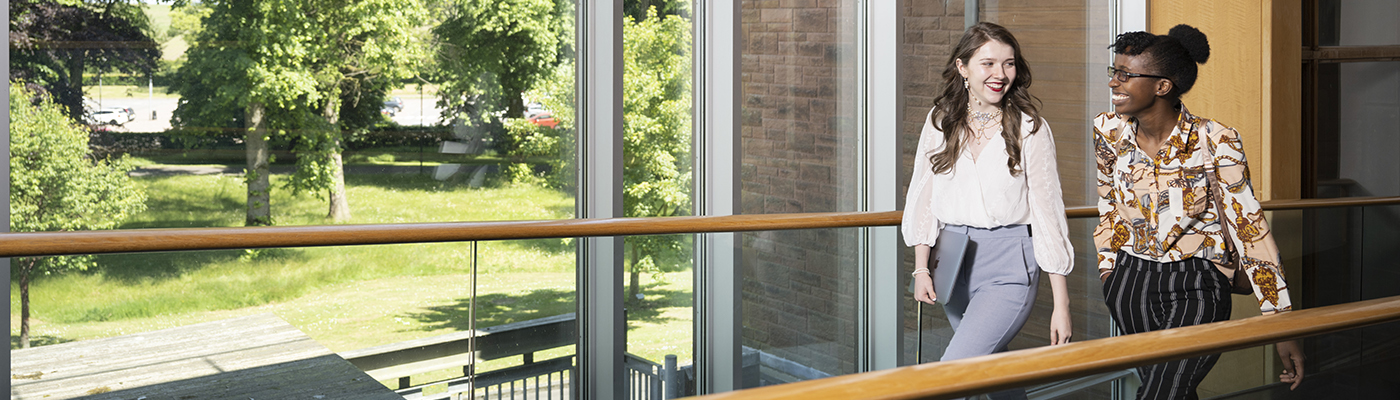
x,y
1193,40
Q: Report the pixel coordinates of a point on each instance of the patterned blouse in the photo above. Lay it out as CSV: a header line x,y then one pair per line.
x,y
1160,209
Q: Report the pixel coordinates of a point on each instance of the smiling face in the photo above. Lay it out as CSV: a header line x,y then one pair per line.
x,y
1138,93
989,72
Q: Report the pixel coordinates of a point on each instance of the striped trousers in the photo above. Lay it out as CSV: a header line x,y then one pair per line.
x,y
1145,296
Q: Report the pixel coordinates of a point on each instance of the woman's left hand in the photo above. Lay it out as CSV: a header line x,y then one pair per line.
x,y
1292,357
1061,328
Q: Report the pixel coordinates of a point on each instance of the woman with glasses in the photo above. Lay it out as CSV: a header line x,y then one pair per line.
x,y
985,168
1177,214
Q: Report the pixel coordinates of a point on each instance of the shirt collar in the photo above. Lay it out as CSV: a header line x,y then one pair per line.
x,y
1185,123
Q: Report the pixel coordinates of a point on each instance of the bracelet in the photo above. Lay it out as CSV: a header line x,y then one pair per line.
x,y
919,271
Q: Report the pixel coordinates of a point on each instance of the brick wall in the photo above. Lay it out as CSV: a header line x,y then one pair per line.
x,y
799,145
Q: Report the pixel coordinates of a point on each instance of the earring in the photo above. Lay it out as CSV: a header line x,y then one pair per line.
x,y
968,88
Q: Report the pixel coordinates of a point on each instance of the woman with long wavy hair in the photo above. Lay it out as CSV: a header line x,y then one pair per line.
x,y
985,168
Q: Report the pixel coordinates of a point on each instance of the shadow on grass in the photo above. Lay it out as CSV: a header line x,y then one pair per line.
x,y
138,267
398,182
655,302
185,213
36,341
405,181
497,309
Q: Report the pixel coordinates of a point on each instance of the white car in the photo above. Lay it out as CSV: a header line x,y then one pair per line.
x,y
130,115
109,116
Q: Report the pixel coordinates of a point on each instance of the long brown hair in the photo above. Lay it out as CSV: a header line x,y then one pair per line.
x,y
950,108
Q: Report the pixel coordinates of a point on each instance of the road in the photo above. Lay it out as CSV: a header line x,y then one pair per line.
x,y
415,110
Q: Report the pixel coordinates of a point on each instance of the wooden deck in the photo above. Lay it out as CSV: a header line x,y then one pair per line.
x,y
258,357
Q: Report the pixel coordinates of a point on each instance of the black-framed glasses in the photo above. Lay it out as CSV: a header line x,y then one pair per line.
x,y
1123,76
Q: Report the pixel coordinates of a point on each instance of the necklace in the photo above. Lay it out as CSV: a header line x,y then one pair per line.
x,y
980,121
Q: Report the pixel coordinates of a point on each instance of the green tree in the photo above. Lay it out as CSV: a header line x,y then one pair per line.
x,y
638,9
284,69
54,42
246,70
656,107
365,47
56,185
491,51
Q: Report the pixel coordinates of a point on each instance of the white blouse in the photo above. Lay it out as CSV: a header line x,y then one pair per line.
x,y
983,194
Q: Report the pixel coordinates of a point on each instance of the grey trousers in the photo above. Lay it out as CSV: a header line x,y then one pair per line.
x,y
994,295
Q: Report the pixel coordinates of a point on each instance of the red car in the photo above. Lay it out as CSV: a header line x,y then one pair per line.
x,y
545,118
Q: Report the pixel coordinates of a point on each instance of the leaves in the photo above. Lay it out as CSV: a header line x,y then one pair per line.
x,y
656,130
54,42
294,56
55,184
491,51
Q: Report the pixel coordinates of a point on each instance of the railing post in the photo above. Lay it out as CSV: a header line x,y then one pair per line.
x,y
668,378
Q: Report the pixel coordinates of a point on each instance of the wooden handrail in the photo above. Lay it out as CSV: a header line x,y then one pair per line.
x,y
183,239
944,380
187,239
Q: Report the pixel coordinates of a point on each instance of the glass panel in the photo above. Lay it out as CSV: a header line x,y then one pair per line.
x,y
801,153
657,179
378,129
1368,110
1358,22
1347,255
401,313
800,305
660,312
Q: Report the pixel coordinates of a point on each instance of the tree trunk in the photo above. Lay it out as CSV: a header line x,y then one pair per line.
x,y
75,82
634,278
259,189
340,203
515,105
26,268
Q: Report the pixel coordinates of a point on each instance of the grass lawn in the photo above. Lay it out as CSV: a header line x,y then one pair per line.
x,y
345,297
92,90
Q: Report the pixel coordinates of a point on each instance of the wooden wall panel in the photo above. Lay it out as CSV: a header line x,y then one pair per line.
x,y
1252,81
1284,178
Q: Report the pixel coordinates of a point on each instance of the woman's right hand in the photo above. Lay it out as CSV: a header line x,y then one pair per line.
x,y
923,288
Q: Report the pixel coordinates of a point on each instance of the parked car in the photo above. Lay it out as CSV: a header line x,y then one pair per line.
x,y
543,118
394,103
127,111
108,116
533,108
